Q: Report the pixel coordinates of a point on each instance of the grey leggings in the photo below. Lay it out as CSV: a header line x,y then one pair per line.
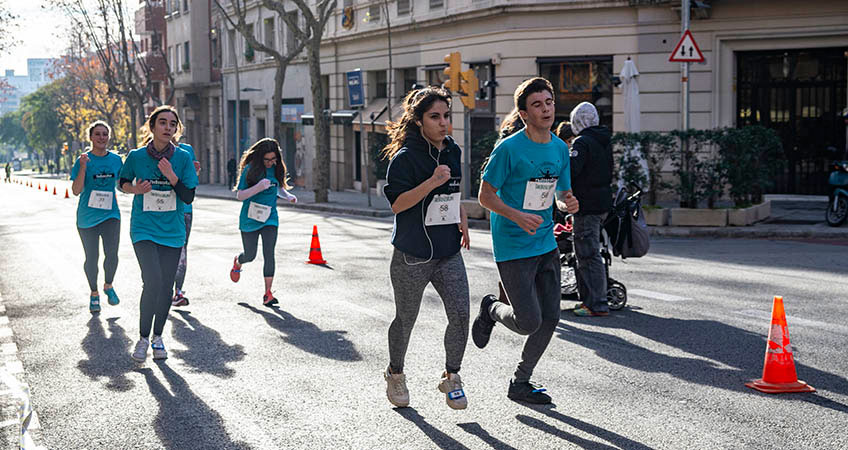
x,y
158,266
110,231
181,267
451,282
250,242
532,286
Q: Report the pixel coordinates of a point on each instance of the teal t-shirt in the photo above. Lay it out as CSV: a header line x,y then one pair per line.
x,y
162,227
519,166
101,175
187,208
268,197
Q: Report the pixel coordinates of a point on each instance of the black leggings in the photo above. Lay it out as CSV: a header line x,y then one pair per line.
x,y
250,242
110,231
158,267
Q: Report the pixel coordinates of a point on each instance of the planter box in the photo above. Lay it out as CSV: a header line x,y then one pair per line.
x,y
656,217
742,217
687,217
763,210
474,210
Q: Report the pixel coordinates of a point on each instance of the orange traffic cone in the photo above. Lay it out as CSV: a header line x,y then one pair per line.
x,y
54,190
39,186
779,368
315,256
45,187
66,193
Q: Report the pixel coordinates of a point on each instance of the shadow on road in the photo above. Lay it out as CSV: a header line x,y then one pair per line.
x,y
307,336
184,420
493,442
706,338
206,351
616,439
107,356
436,435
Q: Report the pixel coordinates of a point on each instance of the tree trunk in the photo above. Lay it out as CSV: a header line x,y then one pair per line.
x,y
321,168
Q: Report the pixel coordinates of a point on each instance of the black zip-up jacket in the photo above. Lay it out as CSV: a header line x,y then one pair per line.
x,y
412,165
591,170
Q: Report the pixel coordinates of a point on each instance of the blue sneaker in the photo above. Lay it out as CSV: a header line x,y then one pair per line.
x,y
113,297
158,348
94,304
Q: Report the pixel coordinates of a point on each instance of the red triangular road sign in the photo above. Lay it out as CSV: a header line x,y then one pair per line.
x,y
686,50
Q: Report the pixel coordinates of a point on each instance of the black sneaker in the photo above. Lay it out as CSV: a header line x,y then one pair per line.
x,y
481,329
528,392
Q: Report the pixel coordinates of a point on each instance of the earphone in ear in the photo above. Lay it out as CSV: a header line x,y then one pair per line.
x,y
418,123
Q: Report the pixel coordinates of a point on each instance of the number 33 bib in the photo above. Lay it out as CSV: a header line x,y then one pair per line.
x,y
443,210
539,193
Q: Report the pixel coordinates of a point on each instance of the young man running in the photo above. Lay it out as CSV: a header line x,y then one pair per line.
x,y
518,186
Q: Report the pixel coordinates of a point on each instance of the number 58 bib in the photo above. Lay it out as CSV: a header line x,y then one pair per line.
x,y
539,193
443,210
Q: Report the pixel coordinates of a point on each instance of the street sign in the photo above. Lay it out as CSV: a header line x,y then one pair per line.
x,y
686,50
354,88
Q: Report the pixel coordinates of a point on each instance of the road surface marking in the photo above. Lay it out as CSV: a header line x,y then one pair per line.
x,y
656,295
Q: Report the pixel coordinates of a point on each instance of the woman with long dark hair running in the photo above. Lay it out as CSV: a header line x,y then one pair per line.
x,y
262,179
163,180
430,228
94,175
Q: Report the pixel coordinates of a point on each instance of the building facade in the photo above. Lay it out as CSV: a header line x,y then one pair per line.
x,y
194,58
778,63
38,74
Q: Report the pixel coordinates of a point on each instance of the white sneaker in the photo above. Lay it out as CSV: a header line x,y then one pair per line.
x,y
158,348
451,386
396,389
140,353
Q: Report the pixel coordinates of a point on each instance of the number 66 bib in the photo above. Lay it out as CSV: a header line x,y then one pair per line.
x,y
539,193
443,210
160,201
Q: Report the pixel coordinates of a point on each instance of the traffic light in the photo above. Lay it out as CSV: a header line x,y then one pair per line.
x,y
468,88
452,71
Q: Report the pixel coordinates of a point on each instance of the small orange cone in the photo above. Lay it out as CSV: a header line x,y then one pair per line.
x,y
45,187
66,193
39,186
54,190
315,256
779,368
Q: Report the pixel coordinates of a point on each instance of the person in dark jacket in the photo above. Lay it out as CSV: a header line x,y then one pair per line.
x,y
591,180
430,227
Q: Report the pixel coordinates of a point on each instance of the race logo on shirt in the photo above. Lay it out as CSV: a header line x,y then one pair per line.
x,y
103,180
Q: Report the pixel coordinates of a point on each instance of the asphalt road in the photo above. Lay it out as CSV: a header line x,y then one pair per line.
x,y
666,372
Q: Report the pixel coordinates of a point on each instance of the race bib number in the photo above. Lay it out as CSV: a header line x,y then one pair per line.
x,y
160,201
101,199
258,212
443,210
539,193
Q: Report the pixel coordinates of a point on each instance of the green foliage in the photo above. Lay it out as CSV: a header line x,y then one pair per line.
x,y
751,157
655,147
12,131
480,151
380,165
41,119
697,168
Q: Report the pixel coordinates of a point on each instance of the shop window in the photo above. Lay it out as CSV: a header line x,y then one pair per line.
x,y
577,80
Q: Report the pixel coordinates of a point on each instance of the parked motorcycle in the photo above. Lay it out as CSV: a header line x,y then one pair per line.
x,y
837,208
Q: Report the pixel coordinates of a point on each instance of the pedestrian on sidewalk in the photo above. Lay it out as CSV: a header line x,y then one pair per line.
x,y
591,179
163,180
262,179
8,172
179,294
94,176
231,172
523,173
430,227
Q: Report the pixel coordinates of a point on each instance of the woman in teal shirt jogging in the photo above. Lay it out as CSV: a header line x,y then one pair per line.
x,y
94,176
158,175
262,178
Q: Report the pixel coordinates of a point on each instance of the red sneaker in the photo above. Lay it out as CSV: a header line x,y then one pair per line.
x,y
235,272
268,299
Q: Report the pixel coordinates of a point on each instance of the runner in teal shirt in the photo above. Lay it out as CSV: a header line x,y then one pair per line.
x,y
94,176
179,294
262,180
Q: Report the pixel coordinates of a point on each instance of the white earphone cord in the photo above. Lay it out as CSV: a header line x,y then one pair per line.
x,y
423,224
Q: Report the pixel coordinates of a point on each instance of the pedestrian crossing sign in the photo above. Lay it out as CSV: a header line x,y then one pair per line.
x,y
686,50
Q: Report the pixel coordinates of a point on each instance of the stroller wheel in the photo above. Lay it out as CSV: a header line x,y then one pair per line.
x,y
568,285
616,295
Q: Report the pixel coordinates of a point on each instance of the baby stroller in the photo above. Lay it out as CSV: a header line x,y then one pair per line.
x,y
624,209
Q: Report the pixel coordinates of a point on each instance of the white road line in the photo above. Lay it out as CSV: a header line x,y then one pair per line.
x,y
656,295
367,311
765,316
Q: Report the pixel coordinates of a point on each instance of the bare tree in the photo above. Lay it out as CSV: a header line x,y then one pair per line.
x,y
236,18
8,27
315,22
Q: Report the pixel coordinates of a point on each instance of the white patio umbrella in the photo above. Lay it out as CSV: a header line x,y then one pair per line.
x,y
630,99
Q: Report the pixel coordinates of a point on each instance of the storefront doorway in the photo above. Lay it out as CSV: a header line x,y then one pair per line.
x,y
801,95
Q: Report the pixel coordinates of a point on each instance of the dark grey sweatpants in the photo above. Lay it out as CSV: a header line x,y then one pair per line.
x,y
410,275
533,288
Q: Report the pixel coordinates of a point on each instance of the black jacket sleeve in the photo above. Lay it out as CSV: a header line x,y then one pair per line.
x,y
185,194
